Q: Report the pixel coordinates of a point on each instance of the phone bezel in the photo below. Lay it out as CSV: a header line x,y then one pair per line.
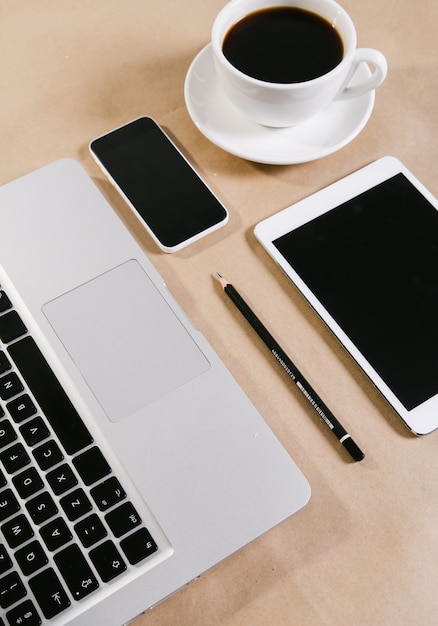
x,y
117,137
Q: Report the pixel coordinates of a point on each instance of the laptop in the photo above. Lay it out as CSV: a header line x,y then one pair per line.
x,y
131,462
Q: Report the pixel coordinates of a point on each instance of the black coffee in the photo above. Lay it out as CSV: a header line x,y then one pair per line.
x,y
283,45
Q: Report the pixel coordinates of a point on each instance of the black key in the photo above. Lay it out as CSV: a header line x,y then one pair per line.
x,y
76,572
60,412
107,560
11,590
91,465
31,558
1,411
48,454
21,408
5,561
24,614
14,458
90,530
108,493
11,326
10,386
8,504
41,508
4,363
138,546
49,593
17,530
55,534
28,482
5,303
123,519
2,479
61,479
75,504
34,431
7,433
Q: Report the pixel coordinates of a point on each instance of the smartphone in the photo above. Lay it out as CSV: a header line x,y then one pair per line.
x,y
159,184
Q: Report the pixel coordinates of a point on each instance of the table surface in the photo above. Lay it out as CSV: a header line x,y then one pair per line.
x,y
365,549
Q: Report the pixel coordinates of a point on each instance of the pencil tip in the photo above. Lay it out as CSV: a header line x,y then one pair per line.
x,y
221,279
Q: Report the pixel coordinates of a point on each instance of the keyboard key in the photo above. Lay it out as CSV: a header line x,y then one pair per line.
x,y
61,479
11,590
14,458
90,530
49,593
123,519
76,504
48,454
34,431
24,614
11,326
76,572
5,303
2,479
55,534
10,386
108,493
138,546
107,561
17,530
7,433
4,363
28,483
5,561
31,558
41,508
21,408
56,405
91,466
8,504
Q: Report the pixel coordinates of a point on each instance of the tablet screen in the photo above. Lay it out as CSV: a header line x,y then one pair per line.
x,y
373,264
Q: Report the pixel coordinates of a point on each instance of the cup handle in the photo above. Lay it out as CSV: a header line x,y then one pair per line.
x,y
365,55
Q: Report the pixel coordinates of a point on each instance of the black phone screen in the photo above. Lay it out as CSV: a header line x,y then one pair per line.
x,y
373,264
159,183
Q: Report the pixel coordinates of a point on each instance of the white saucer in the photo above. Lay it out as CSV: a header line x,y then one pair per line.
x,y
225,126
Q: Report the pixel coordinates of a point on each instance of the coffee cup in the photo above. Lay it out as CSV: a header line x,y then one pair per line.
x,y
280,62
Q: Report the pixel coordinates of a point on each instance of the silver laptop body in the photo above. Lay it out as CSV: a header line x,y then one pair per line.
x,y
174,469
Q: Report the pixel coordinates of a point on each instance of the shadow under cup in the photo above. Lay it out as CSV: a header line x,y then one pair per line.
x,y
282,104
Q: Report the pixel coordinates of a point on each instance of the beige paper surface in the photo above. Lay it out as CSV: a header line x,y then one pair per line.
x,y
365,550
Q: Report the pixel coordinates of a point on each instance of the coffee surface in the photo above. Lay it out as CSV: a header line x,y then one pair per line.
x,y
283,45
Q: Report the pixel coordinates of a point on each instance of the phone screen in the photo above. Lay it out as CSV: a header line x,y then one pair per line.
x,y
159,183
372,262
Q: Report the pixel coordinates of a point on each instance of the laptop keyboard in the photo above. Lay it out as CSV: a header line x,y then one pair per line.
x,y
67,526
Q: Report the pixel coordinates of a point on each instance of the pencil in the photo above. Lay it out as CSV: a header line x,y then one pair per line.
x,y
280,355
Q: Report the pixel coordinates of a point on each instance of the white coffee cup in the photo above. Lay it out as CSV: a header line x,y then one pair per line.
x,y
288,104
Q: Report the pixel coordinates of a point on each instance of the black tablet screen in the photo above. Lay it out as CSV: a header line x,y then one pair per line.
x,y
373,264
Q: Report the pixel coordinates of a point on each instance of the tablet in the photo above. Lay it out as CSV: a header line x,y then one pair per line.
x,y
364,253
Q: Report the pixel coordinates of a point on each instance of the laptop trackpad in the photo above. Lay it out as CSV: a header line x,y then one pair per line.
x,y
128,344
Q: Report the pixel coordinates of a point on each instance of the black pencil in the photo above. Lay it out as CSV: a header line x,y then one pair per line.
x,y
323,411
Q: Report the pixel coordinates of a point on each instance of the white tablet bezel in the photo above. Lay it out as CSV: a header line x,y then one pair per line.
x,y
424,418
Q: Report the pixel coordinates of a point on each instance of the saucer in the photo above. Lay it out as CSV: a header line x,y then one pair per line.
x,y
218,119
